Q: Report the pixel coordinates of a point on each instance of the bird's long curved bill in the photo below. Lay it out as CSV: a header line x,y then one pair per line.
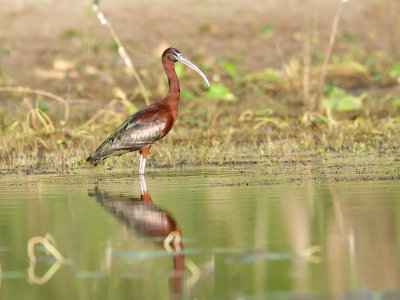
x,y
191,65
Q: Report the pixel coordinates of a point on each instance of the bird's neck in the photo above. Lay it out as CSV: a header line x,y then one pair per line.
x,y
173,82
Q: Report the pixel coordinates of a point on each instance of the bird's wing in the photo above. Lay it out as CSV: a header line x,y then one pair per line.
x,y
135,133
138,134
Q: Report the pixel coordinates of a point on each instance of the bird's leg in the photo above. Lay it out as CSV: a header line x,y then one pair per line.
x,y
141,171
143,155
145,196
143,187
141,162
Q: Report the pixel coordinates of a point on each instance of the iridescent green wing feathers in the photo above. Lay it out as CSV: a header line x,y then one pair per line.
x,y
134,134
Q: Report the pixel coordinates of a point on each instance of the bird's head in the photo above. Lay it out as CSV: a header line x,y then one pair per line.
x,y
175,55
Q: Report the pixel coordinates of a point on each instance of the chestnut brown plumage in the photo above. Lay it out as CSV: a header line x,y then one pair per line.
x,y
150,124
148,221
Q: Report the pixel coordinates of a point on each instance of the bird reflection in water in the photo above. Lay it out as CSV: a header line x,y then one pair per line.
x,y
148,221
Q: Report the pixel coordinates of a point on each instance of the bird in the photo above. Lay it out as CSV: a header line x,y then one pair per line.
x,y
142,215
150,124
148,221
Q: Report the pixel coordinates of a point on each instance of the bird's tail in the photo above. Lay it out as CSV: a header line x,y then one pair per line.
x,y
93,159
100,154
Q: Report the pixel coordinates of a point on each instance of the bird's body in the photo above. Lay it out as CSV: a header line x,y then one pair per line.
x,y
150,124
151,222
139,131
139,213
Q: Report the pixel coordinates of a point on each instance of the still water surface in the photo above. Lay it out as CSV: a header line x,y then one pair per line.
x,y
305,230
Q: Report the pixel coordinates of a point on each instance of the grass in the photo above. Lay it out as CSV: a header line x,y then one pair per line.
x,y
251,113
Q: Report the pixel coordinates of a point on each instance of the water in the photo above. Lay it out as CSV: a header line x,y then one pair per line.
x,y
302,230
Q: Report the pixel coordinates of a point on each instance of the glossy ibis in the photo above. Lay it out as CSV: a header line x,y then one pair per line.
x,y
149,221
150,124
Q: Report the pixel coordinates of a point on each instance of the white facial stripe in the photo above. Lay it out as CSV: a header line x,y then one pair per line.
x,y
177,55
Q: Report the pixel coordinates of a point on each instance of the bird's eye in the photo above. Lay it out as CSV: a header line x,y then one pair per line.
x,y
177,55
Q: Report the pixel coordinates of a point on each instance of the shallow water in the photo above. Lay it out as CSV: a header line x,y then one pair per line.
x,y
304,230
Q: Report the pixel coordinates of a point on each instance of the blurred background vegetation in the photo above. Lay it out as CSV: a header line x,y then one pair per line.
x,y
286,76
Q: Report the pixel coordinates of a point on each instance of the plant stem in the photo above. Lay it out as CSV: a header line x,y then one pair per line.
x,y
20,89
285,68
328,54
121,50
306,72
